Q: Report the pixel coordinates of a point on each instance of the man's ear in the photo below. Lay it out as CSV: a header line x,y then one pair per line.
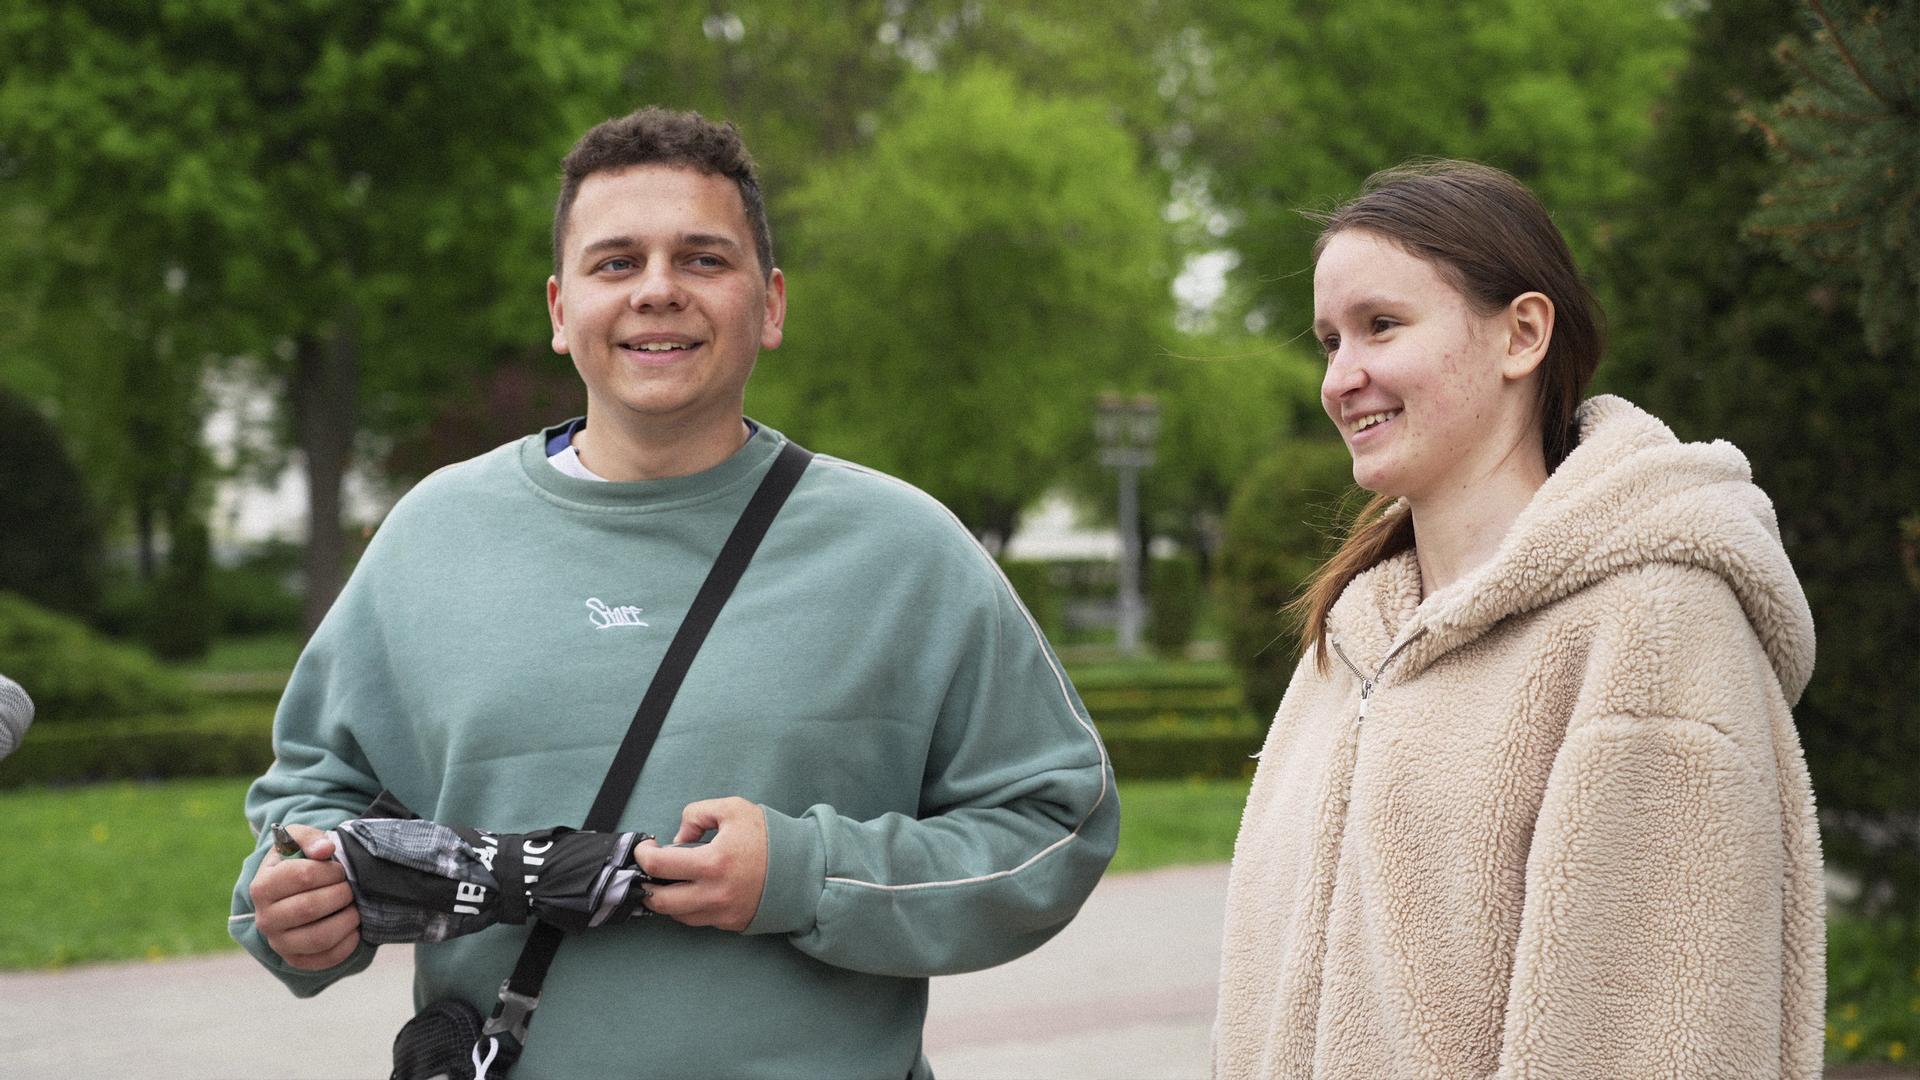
x,y
773,326
557,314
1529,320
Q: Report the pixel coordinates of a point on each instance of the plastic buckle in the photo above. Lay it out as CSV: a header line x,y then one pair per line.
x,y
511,1017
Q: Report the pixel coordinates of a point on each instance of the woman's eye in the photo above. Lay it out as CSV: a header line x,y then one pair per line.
x,y
1382,324
1330,344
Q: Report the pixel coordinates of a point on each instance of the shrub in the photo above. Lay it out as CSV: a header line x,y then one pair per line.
x,y
1179,747
1033,580
251,599
76,675
1277,532
1173,605
236,741
50,545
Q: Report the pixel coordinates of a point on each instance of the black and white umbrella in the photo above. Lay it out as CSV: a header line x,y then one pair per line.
x,y
416,880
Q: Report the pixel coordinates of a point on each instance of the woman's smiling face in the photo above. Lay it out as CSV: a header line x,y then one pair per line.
x,y
1415,377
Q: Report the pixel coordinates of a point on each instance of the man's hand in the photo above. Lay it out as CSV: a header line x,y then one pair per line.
x,y
720,881
304,907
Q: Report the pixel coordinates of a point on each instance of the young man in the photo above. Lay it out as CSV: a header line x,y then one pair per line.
x,y
897,778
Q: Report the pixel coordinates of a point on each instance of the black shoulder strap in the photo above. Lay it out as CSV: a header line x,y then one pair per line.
x,y
520,994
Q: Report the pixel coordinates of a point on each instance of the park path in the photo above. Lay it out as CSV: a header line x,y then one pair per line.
x,y
1126,992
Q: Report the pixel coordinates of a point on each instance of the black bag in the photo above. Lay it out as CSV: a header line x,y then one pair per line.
x,y
437,1044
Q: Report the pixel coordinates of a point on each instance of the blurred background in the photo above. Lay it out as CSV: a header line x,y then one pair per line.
x,y
265,264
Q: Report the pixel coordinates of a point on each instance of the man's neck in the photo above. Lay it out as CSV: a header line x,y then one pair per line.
x,y
629,452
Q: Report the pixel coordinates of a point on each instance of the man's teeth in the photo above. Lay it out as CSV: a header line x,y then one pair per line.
x,y
660,346
1372,419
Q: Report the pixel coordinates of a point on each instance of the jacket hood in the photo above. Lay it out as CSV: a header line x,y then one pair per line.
x,y
1629,495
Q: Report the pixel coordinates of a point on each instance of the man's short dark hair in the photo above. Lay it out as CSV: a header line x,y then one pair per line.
x,y
657,136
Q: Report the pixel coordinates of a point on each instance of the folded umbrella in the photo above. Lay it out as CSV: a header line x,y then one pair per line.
x,y
417,880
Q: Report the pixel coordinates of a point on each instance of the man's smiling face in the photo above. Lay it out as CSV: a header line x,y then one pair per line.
x,y
661,301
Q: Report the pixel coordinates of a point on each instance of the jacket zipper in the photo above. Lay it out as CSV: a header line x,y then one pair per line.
x,y
1367,685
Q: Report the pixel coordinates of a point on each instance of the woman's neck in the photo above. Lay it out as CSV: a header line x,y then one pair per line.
x,y
1457,529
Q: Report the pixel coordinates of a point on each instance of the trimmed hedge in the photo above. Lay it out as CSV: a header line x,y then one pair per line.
x,y
1173,605
75,675
232,741
1176,747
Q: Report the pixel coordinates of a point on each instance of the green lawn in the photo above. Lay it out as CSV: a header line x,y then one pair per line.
x,y
131,870
118,871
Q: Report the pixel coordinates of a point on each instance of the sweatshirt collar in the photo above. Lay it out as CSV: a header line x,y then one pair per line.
x,y
638,496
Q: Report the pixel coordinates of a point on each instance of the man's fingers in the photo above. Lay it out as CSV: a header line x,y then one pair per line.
x,y
315,941
312,841
690,903
280,878
706,814
332,941
674,863
304,908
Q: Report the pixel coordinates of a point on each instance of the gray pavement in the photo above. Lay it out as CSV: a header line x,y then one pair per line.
x,y
1124,993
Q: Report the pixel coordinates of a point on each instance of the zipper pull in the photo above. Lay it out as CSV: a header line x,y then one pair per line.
x,y
1366,694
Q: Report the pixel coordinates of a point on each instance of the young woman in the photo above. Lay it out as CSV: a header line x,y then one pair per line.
x,y
1533,804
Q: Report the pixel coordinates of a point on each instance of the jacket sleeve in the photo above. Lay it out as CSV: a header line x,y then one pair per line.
x,y
319,777
1018,819
1672,915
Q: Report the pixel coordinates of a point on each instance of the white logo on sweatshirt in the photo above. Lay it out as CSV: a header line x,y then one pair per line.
x,y
606,618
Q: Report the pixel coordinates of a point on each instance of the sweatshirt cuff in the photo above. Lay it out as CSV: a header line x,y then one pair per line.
x,y
796,873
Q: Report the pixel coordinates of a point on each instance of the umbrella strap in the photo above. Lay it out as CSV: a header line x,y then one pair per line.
x,y
520,993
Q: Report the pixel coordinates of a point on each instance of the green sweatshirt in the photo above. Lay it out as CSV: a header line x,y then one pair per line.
x,y
937,800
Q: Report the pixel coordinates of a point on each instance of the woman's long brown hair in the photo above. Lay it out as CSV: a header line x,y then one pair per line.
x,y
1492,240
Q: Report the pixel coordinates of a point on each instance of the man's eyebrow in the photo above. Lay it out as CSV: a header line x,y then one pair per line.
x,y
612,243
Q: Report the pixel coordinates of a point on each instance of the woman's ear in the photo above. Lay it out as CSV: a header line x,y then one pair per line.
x,y
1529,321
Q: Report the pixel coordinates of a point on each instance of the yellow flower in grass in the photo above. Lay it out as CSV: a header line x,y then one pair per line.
x,y
98,832
1851,1040
1896,1051
1915,1003
1849,1012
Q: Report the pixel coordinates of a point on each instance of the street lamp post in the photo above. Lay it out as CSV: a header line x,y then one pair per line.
x,y
1126,429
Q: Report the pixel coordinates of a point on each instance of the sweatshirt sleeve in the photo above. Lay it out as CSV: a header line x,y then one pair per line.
x,y
320,776
1018,819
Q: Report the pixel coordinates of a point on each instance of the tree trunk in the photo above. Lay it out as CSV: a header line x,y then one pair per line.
x,y
324,391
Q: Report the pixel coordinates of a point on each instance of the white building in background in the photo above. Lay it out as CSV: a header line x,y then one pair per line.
x,y
1053,529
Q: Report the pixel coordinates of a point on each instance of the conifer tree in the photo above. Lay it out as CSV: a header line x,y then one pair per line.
x,y
1846,207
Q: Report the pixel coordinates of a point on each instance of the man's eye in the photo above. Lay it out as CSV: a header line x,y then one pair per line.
x,y
618,265
707,262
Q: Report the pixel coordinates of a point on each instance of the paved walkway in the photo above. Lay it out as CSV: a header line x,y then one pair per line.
x,y
1124,993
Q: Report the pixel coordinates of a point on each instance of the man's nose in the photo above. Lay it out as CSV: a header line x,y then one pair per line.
x,y
655,289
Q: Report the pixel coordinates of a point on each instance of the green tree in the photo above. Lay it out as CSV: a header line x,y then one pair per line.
x,y
359,188
1281,526
1294,102
1846,205
963,286
1718,334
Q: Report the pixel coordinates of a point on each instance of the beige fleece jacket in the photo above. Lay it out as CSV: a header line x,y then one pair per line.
x,y
1573,835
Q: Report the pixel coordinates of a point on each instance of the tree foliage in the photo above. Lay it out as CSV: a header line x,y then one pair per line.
x,y
1718,334
49,534
1846,204
964,286
1292,103
1281,526
354,190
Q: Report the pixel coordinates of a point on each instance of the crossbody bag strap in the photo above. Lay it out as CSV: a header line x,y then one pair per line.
x,y
520,993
